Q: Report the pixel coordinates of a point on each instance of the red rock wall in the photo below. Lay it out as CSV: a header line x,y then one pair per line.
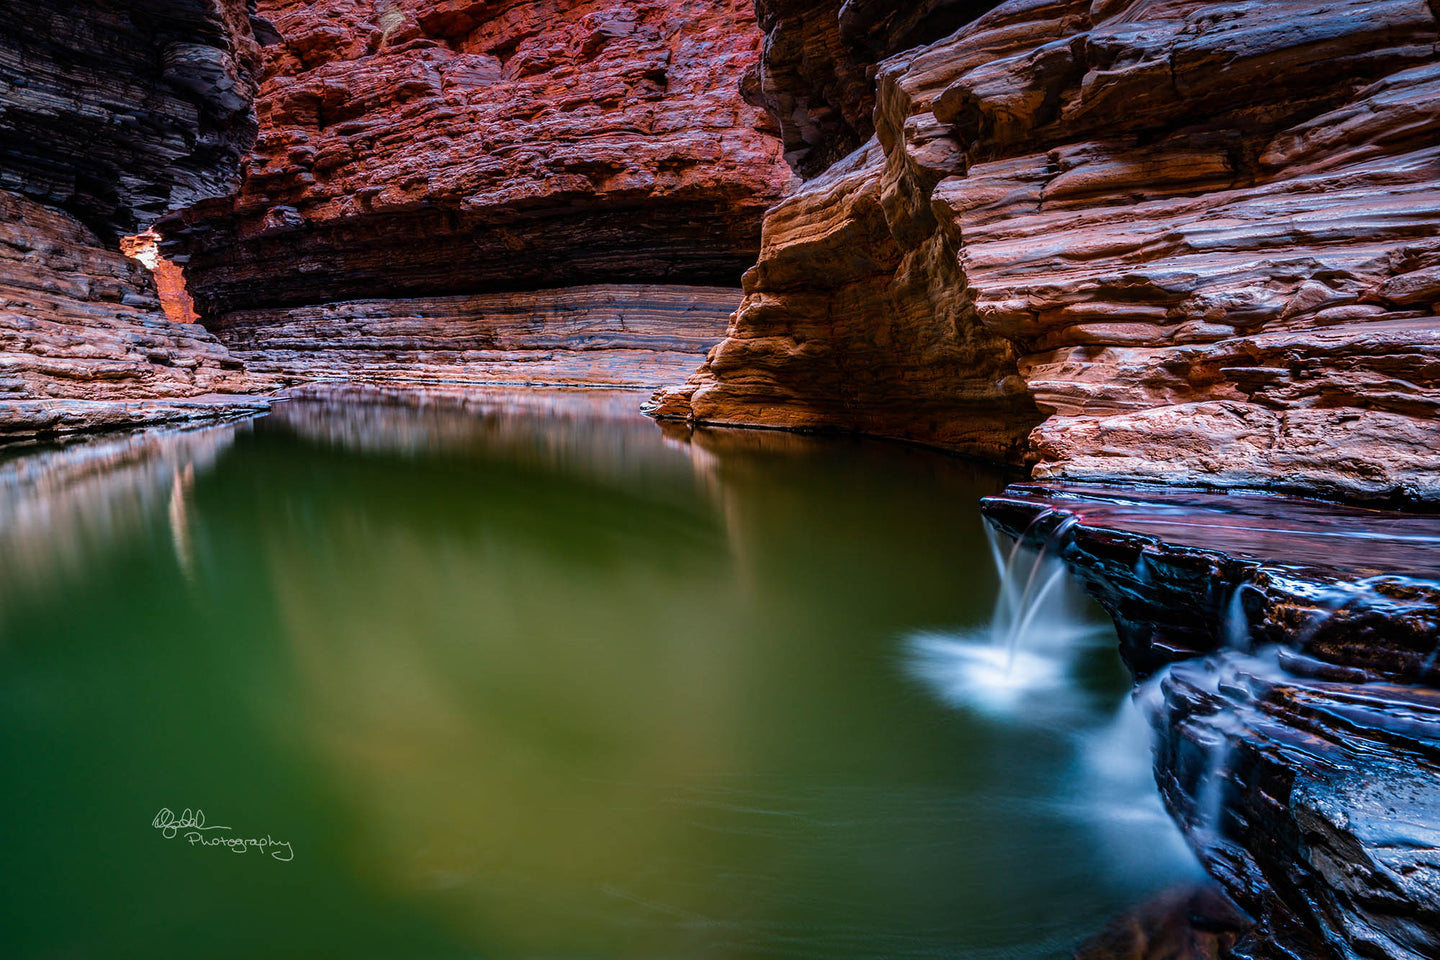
x,y
425,148
1198,237
111,113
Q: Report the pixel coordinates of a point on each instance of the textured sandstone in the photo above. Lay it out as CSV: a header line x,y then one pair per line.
x,y
118,110
610,335
108,119
1199,237
426,148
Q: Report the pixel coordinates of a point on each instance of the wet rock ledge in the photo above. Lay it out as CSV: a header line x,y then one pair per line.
x,y
1288,656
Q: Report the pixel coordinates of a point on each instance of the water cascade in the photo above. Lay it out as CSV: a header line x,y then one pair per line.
x,y
1020,663
1032,664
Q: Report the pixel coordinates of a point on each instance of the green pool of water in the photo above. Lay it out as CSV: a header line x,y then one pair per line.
x,y
527,680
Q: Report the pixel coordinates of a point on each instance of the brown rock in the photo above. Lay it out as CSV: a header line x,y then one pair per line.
x,y
1200,239
1185,923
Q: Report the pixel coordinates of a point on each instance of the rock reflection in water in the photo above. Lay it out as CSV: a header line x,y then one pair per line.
x,y
61,509
520,682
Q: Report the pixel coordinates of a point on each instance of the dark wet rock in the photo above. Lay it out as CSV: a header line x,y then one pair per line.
x,y
1316,804
1183,574
117,111
1293,648
1185,923
816,77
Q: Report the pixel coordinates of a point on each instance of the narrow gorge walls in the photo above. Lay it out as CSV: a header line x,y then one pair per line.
x,y
1180,240
111,113
421,161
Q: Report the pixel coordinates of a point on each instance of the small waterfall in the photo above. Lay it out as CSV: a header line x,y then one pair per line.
x,y
1235,622
1122,804
1024,667
1022,660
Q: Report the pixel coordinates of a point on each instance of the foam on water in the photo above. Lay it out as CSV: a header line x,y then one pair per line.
x,y
1020,666
1024,667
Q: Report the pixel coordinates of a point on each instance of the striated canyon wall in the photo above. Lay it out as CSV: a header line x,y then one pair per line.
x,y
1178,240
110,115
417,159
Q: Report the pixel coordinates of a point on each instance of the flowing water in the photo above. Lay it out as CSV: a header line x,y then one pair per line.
x,y
531,678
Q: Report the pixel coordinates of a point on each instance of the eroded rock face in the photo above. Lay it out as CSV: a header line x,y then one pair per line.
x,y
81,321
1292,654
119,110
422,148
624,335
110,114
817,74
1198,237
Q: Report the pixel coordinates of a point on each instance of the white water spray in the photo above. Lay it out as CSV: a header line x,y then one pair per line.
x,y
1021,663
1024,667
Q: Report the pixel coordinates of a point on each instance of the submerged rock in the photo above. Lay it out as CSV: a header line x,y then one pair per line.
x,y
1187,923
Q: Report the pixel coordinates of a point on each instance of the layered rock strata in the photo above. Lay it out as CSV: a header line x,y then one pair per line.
x,y
427,148
118,111
84,343
630,336
817,73
1292,655
108,119
1196,239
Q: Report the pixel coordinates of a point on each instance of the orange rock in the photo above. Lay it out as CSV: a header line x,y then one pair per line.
x,y
169,277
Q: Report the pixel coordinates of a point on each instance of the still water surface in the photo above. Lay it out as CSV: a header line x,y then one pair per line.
x,y
537,680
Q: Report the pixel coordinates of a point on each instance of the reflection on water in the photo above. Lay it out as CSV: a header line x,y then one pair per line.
x,y
527,681
61,509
